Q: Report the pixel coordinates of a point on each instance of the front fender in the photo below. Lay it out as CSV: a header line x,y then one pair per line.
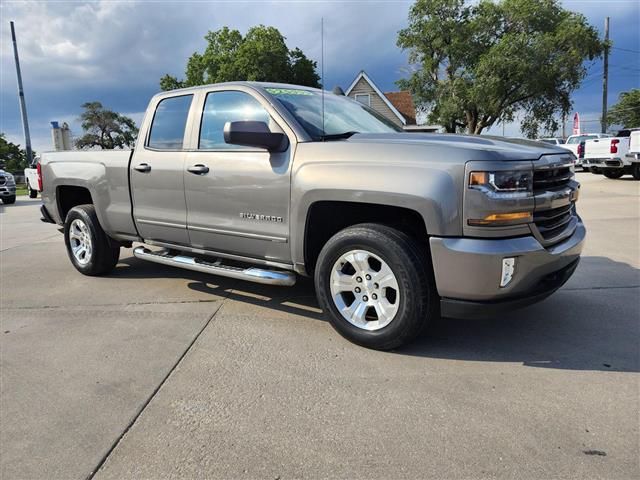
x,y
430,191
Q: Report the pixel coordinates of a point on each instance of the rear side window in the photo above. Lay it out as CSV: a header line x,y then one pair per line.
x,y
169,121
223,107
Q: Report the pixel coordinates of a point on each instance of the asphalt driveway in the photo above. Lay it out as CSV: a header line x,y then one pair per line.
x,y
156,372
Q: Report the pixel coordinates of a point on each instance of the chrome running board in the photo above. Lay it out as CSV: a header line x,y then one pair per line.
x,y
251,274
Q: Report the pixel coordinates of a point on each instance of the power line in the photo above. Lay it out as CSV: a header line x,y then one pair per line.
x,y
626,50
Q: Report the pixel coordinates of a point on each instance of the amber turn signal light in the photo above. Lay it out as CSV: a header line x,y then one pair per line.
x,y
501,218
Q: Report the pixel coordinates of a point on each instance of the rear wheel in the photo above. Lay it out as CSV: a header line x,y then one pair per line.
x,y
89,248
595,170
32,193
376,285
613,173
635,171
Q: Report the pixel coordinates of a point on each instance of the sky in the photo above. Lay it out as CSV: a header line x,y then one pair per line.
x,y
116,51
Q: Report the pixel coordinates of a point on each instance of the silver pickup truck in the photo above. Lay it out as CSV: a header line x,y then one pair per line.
x,y
266,182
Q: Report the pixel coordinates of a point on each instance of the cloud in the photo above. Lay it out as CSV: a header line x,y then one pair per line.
x,y
116,51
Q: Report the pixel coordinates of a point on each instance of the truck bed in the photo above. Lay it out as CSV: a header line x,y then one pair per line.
x,y
104,173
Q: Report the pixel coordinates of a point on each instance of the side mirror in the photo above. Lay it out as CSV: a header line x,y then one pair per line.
x,y
255,134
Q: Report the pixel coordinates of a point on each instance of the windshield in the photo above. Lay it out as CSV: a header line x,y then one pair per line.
x,y
341,114
552,141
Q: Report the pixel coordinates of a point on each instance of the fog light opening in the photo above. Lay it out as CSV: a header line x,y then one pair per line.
x,y
508,269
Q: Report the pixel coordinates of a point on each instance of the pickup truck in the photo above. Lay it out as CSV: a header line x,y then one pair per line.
x,y
609,156
31,179
267,182
575,144
633,155
7,187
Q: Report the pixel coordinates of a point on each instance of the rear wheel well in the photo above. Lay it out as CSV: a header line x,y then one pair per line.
x,y
69,196
325,219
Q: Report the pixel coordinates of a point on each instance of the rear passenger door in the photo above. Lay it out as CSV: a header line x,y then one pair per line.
x,y
157,173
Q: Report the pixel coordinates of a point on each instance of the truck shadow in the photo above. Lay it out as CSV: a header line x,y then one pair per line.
x,y
592,323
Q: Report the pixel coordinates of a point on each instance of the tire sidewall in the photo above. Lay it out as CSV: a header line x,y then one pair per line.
x,y
79,213
408,279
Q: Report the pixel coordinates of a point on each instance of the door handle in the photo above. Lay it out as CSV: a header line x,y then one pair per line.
x,y
198,169
143,167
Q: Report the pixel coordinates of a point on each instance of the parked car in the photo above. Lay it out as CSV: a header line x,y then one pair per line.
x,y
31,179
7,187
265,182
551,140
609,155
573,145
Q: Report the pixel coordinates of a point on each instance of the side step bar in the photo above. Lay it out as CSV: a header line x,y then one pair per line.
x,y
251,274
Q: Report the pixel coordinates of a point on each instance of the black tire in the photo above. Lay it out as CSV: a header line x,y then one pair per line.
x,y
104,251
585,169
9,200
613,173
411,265
635,171
595,170
32,193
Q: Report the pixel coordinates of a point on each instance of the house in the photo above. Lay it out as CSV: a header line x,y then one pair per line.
x,y
397,107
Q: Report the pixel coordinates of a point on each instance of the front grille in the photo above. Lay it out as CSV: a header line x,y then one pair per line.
x,y
551,223
553,177
3,179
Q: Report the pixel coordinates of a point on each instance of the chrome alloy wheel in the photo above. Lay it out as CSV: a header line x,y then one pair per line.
x,y
80,241
365,290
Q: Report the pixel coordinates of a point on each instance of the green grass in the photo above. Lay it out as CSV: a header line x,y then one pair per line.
x,y
21,189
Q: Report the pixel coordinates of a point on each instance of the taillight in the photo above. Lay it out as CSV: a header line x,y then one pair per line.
x,y
580,150
614,146
39,170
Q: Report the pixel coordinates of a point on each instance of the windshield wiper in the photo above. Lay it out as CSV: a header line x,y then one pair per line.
x,y
336,136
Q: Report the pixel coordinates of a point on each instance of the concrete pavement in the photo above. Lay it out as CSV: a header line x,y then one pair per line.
x,y
155,372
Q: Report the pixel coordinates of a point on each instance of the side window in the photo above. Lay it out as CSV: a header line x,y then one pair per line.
x,y
169,121
223,107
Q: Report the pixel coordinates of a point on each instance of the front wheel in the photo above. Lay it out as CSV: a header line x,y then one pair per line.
x,y
376,285
89,248
9,200
635,171
613,173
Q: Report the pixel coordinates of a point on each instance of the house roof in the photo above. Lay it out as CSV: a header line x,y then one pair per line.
x,y
384,98
403,101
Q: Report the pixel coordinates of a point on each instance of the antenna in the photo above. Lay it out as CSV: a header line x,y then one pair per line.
x,y
322,69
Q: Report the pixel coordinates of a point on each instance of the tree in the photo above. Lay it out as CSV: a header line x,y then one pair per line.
x,y
12,157
105,128
479,63
627,111
261,55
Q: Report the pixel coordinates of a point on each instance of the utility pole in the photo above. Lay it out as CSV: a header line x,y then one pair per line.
x,y
605,76
564,125
23,106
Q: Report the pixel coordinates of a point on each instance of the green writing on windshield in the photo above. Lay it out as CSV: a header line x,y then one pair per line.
x,y
287,91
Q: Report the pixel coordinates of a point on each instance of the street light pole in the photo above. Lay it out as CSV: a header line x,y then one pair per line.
x,y
23,106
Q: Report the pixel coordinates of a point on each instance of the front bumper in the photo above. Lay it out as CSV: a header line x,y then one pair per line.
x,y
468,272
7,190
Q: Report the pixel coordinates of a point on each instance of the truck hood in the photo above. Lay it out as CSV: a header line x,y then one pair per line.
x,y
478,146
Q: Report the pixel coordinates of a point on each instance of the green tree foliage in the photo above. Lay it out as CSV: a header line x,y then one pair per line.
x,y
261,55
482,62
105,128
627,111
12,158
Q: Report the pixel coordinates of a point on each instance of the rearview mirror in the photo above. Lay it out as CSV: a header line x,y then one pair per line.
x,y
254,134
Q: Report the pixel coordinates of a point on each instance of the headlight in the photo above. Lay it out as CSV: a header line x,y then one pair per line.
x,y
10,178
503,184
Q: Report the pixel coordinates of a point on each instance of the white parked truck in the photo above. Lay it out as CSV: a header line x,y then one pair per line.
x,y
31,179
574,142
609,155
